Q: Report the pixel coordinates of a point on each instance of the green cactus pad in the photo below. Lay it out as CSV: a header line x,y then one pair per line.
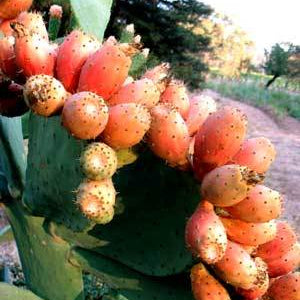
x,y
53,173
10,292
149,235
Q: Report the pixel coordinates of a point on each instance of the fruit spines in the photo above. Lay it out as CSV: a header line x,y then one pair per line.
x,y
142,91
85,115
72,55
176,95
251,234
44,94
256,154
34,55
200,108
261,204
96,200
219,139
10,9
284,240
237,267
168,136
286,287
98,161
205,235
127,125
228,185
105,71
205,286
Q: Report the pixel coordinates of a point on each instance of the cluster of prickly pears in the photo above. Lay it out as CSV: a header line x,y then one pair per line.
x,y
233,228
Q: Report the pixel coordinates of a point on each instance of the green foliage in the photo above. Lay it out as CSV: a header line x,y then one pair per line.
x,y
92,15
10,292
253,92
167,29
277,60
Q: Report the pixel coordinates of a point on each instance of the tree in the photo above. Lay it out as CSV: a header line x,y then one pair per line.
x,y
277,61
232,49
167,29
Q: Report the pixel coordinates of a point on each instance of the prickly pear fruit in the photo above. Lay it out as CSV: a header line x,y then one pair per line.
x,y
228,185
205,286
176,94
142,91
98,161
105,71
72,54
11,100
284,240
127,125
9,9
261,283
237,267
96,200
285,263
168,136
286,287
34,55
44,94
158,75
205,234
262,204
200,108
5,27
34,23
256,154
219,139
85,115
126,156
251,234
7,57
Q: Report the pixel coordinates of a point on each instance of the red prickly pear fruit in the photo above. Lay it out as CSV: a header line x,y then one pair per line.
x,y
44,94
72,55
34,23
205,286
286,287
228,185
176,94
219,139
7,57
256,154
85,115
237,267
34,55
5,27
10,9
251,234
142,91
158,75
286,263
127,125
249,249
262,204
98,161
261,283
200,108
105,71
96,200
168,136
205,234
128,80
284,240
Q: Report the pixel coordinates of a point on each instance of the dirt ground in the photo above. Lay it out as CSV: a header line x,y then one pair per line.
x,y
283,176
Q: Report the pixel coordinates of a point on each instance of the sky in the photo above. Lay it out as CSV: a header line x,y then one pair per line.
x,y
266,21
